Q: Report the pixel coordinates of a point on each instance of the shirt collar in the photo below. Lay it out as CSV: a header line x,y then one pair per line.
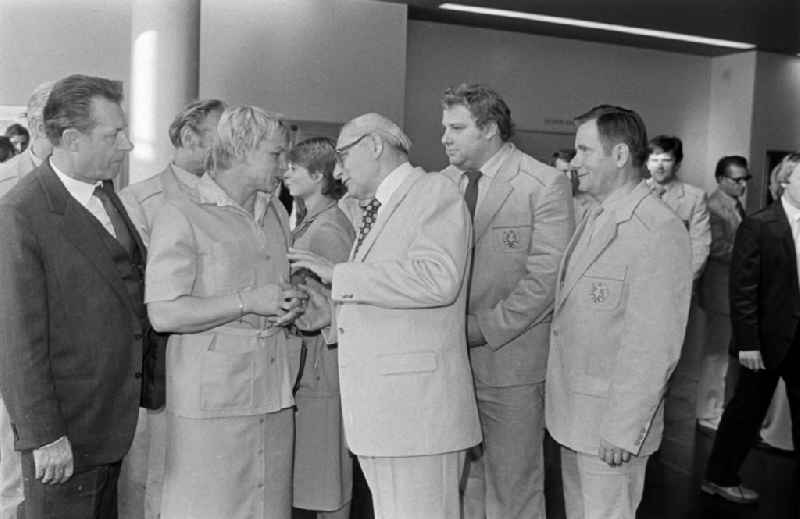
x,y
80,191
183,175
392,181
209,192
492,166
792,212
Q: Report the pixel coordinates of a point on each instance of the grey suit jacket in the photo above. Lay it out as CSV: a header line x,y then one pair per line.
x,y
725,221
522,227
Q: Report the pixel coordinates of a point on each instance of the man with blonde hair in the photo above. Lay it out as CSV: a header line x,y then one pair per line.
x,y
399,307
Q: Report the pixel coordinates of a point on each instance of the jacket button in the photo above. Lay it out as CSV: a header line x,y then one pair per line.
x,y
340,329
138,374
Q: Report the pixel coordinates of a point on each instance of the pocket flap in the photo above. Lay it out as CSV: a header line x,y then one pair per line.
x,y
416,362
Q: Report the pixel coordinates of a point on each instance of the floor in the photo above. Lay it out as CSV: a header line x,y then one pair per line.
x,y
672,488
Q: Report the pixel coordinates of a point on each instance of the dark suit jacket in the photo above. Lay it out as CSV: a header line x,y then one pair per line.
x,y
764,295
70,327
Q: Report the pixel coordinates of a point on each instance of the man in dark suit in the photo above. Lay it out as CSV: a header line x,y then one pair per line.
x,y
72,317
765,309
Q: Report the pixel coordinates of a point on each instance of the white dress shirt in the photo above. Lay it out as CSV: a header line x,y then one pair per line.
x,y
389,185
84,194
488,172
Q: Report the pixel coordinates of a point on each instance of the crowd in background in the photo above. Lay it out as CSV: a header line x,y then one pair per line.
x,y
430,326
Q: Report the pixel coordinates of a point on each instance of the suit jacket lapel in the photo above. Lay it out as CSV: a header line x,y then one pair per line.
x,y
386,212
81,228
580,261
496,195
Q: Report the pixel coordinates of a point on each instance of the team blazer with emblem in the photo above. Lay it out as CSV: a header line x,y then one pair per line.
x,y
400,306
522,226
618,325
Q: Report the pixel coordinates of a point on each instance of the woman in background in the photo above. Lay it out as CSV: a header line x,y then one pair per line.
x,y
323,468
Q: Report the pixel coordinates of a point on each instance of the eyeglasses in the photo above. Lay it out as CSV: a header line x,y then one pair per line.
x,y
740,180
341,153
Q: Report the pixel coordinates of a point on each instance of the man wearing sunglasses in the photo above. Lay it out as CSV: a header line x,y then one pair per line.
x,y
726,212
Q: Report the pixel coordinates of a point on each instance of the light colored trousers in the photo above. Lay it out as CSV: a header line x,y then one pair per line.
x,y
415,487
505,476
711,388
595,490
11,494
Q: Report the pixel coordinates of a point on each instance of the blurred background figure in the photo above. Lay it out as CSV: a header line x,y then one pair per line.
x,y
582,202
725,214
323,467
7,149
19,136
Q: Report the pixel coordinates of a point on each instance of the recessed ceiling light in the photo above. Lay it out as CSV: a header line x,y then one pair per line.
x,y
612,27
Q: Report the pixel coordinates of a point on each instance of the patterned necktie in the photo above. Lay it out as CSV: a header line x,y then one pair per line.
x,y
367,221
471,192
105,194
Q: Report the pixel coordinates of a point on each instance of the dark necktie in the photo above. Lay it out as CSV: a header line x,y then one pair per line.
x,y
105,194
367,221
739,208
471,192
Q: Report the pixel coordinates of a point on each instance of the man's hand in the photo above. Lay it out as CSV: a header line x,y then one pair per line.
x,y
320,266
273,300
612,455
751,359
318,308
53,462
474,335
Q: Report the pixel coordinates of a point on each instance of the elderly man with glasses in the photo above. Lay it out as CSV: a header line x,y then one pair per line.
x,y
725,214
408,401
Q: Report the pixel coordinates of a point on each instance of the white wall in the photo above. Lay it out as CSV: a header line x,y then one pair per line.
x,y
776,115
547,81
319,60
44,40
731,91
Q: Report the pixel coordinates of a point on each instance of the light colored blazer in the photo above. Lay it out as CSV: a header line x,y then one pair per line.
x,y
12,170
618,325
689,203
400,307
725,221
522,227
143,199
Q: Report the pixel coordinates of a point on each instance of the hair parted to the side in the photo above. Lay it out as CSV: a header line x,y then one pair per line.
x,y
617,125
380,125
318,156
484,104
192,116
786,167
69,104
241,129
729,160
36,103
666,144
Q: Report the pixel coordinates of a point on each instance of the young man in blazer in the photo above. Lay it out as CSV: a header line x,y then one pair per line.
x,y
618,323
72,316
765,309
408,402
523,219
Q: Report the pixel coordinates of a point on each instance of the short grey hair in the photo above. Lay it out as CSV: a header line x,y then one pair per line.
x,y
36,103
382,126
241,130
785,169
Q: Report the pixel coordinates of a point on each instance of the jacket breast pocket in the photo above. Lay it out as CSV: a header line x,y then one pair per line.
x,y
602,287
511,239
400,363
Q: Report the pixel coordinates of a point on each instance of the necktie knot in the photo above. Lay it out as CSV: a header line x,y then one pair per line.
x,y
473,175
471,192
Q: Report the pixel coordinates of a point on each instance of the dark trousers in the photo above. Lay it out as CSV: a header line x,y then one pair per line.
x,y
90,493
744,414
